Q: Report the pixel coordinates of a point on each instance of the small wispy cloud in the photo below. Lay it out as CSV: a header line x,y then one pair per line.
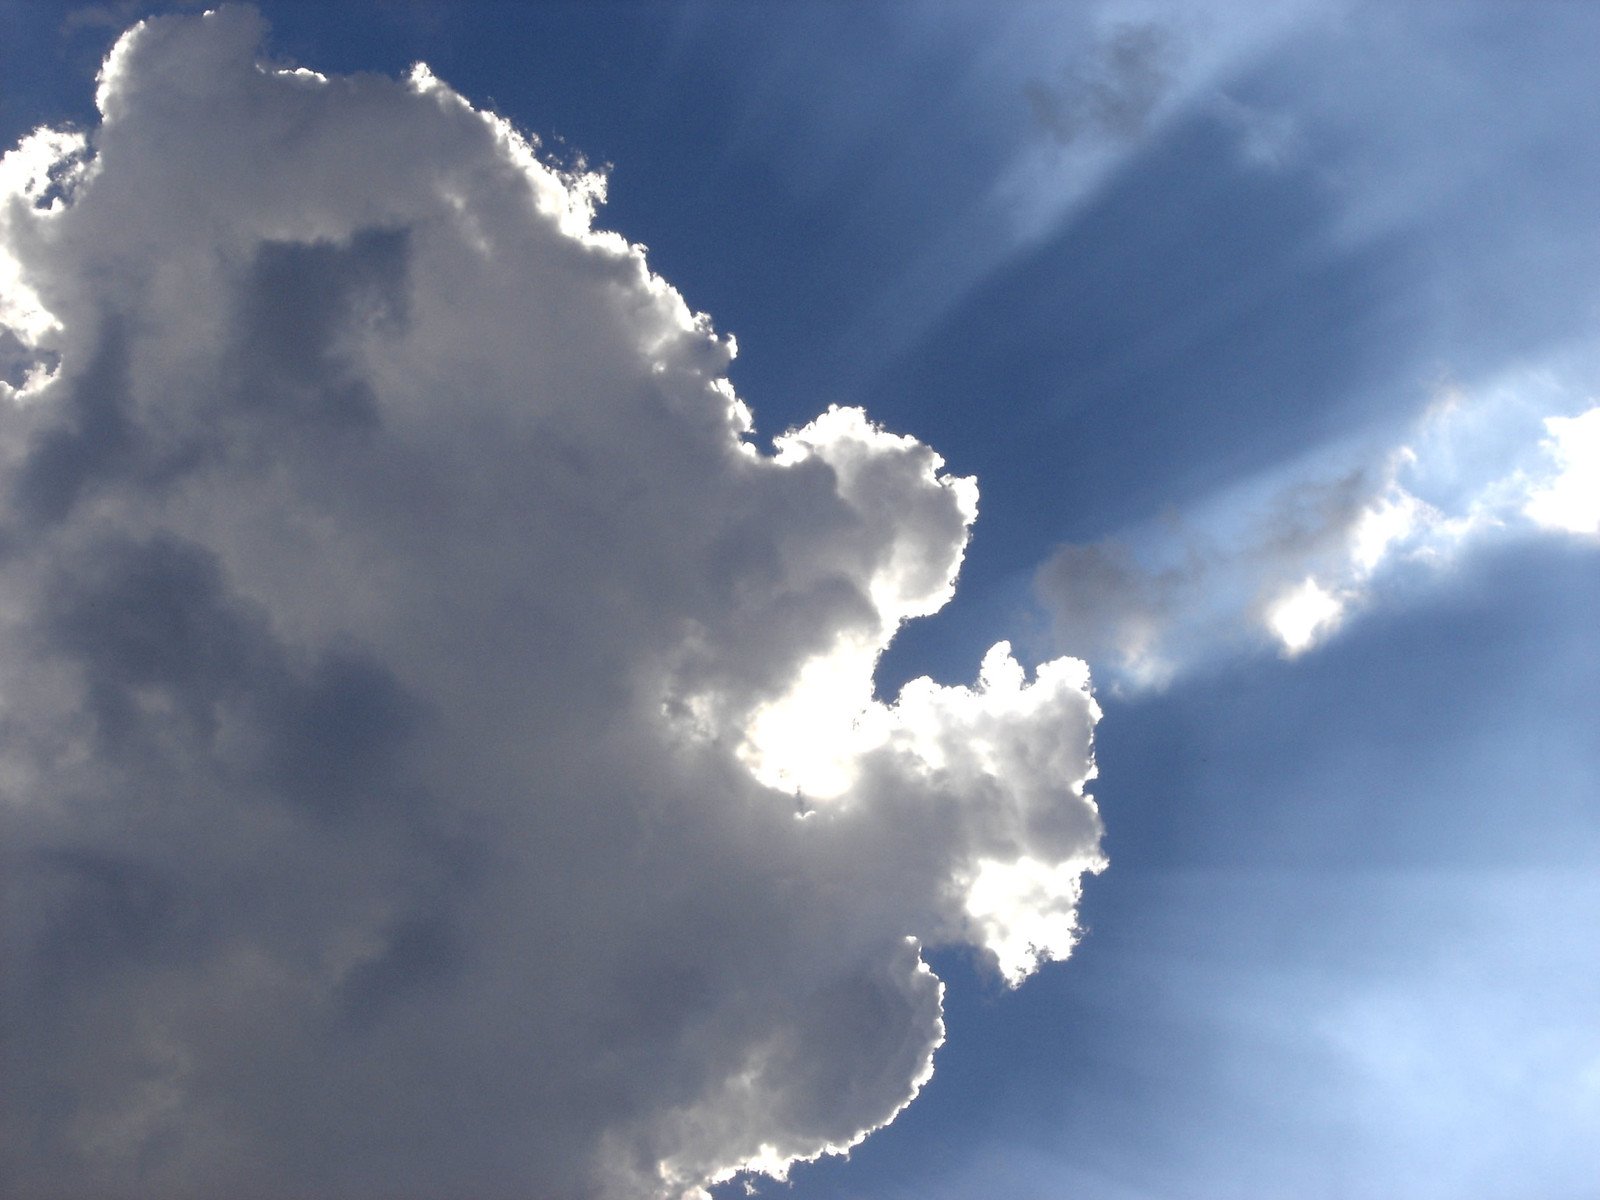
x,y
1290,562
1114,92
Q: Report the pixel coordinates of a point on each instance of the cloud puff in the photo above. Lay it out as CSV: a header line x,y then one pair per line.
x,y
440,754
1295,556
1568,497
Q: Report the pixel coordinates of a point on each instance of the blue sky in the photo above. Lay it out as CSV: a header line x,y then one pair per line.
x,y
1194,292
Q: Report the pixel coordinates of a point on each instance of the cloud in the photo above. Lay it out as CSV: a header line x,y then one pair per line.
x,y
1115,95
111,17
440,754
1295,556
1568,497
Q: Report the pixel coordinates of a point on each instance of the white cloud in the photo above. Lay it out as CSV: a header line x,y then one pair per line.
x,y
1569,498
1298,554
35,178
1301,616
1121,71
408,664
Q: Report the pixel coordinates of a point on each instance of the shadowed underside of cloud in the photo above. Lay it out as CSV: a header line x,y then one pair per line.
x,y
437,749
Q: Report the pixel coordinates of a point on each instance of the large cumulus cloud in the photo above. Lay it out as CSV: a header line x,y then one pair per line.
x,y
438,753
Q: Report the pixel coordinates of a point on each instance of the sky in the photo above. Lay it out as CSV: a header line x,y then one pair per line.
x,y
839,601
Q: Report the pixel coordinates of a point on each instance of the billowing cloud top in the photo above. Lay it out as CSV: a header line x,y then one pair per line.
x,y
440,755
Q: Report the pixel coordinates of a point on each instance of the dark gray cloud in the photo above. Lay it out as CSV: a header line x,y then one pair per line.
x,y
165,652
154,616
298,302
92,441
98,913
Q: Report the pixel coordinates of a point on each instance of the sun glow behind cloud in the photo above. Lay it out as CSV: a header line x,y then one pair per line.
x,y
1559,491
1305,613
1568,498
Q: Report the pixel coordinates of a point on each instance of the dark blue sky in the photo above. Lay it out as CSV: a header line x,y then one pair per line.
x,y
1345,947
